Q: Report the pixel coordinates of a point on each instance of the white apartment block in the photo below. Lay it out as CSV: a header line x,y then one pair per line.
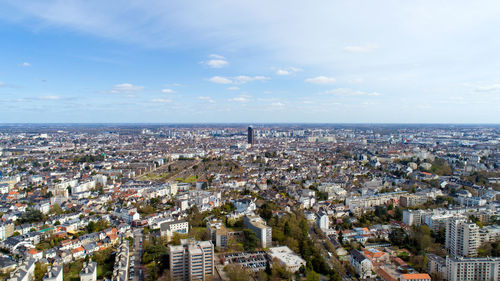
x,y
54,274
192,260
169,228
218,233
362,202
261,230
287,258
89,272
413,217
462,237
477,269
323,220
25,272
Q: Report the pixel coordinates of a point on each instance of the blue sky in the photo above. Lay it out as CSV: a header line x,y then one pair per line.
x,y
250,61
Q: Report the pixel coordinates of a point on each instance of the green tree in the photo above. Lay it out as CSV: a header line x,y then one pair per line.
x,y
251,241
236,273
40,270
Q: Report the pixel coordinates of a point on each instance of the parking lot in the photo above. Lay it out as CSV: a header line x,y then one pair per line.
x,y
253,261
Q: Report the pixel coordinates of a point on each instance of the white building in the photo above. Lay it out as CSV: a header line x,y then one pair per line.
x,y
462,237
477,269
261,230
192,260
286,257
89,272
54,274
169,228
361,264
25,272
323,220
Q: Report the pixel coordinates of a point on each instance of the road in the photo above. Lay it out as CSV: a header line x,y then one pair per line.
x,y
137,254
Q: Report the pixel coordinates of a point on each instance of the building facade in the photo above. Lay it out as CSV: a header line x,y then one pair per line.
x,y
192,260
261,230
462,237
477,269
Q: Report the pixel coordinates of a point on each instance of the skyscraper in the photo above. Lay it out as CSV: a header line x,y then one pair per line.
x,y
251,136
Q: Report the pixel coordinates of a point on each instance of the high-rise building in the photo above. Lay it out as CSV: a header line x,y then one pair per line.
x,y
462,237
192,260
478,269
261,230
251,135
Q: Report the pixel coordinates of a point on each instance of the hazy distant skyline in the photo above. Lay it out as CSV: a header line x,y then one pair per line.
x,y
252,61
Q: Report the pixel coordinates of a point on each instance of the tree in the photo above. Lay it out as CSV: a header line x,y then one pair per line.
x,y
398,237
312,276
251,240
56,209
40,270
236,273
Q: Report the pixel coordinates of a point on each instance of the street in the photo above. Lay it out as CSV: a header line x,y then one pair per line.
x,y
136,271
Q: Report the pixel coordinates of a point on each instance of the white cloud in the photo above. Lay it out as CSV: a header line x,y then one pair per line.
x,y
241,98
217,63
233,88
161,100
238,80
287,71
350,92
167,91
215,56
278,104
25,64
361,49
126,88
49,98
220,80
242,79
207,99
488,88
321,80
2,84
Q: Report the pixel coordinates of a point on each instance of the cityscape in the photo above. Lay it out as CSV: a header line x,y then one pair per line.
x,y
254,140
263,202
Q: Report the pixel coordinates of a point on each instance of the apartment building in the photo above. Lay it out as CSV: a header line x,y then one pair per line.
x,y
462,237
6,229
89,272
363,202
54,274
218,233
169,228
413,217
261,230
286,257
477,269
410,200
192,260
120,270
25,272
323,220
361,264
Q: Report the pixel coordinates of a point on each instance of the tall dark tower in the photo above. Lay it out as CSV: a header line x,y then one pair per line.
x,y
251,136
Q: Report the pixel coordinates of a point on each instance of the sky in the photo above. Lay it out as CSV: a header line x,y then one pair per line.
x,y
94,61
